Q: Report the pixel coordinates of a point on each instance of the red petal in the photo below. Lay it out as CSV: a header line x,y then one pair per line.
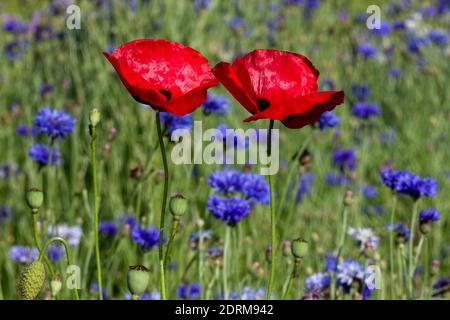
x,y
276,75
228,77
299,112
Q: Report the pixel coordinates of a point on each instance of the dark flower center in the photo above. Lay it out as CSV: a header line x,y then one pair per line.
x,y
166,93
262,104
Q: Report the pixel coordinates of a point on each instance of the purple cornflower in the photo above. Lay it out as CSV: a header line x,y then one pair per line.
x,y
55,252
54,123
14,25
384,30
366,110
367,50
236,23
336,179
441,287
438,37
217,104
146,238
429,215
230,210
72,234
416,43
317,282
173,122
328,120
107,228
369,191
330,262
189,291
348,272
5,214
405,182
8,170
154,295
256,188
45,89
94,290
344,159
305,186
15,49
201,5
361,91
365,238
401,230
40,154
23,254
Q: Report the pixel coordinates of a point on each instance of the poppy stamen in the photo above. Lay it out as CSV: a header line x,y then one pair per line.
x,y
262,104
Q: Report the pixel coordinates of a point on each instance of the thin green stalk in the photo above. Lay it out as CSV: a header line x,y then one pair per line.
x,y
162,281
175,224
37,243
68,257
411,251
272,217
426,270
341,243
391,246
96,211
418,252
293,276
226,256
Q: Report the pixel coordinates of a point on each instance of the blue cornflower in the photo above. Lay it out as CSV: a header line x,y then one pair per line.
x,y
361,91
231,138
416,43
107,228
94,290
330,262
189,291
236,22
230,210
146,238
336,179
305,186
14,25
54,123
441,287
385,29
55,252
367,50
369,191
227,181
22,130
429,215
348,272
365,238
328,120
317,282
214,252
201,5
248,293
45,89
366,110
173,122
154,295
256,188
438,37
405,182
126,219
9,170
5,214
218,104
23,254
195,237
72,234
40,154
344,159
401,230
15,49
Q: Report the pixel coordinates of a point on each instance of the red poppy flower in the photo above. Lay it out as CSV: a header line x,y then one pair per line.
x,y
166,75
277,85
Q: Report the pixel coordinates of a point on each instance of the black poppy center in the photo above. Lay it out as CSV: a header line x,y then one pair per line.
x,y
262,104
166,93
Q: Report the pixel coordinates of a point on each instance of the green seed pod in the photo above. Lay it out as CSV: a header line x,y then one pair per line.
x,y
138,278
56,285
299,248
94,117
31,280
178,205
35,198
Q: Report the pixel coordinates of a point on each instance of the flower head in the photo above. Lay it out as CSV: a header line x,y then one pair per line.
x,y
429,215
365,238
217,104
5,214
328,120
408,183
173,122
72,234
23,254
366,110
40,154
348,272
401,230
344,159
146,238
107,228
305,186
277,85
189,291
317,282
230,210
54,123
165,75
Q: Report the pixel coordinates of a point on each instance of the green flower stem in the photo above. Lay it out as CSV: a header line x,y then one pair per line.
x,y
37,243
426,270
341,243
391,246
226,256
96,211
176,222
418,252
403,268
162,281
292,278
272,218
68,257
411,251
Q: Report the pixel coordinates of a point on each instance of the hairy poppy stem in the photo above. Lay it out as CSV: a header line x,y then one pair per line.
x,y
92,130
162,281
272,217
175,223
68,258
37,243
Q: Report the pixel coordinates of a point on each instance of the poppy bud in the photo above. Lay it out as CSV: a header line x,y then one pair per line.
x,y
137,172
299,248
286,248
177,205
94,117
137,278
35,198
56,285
31,280
348,198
